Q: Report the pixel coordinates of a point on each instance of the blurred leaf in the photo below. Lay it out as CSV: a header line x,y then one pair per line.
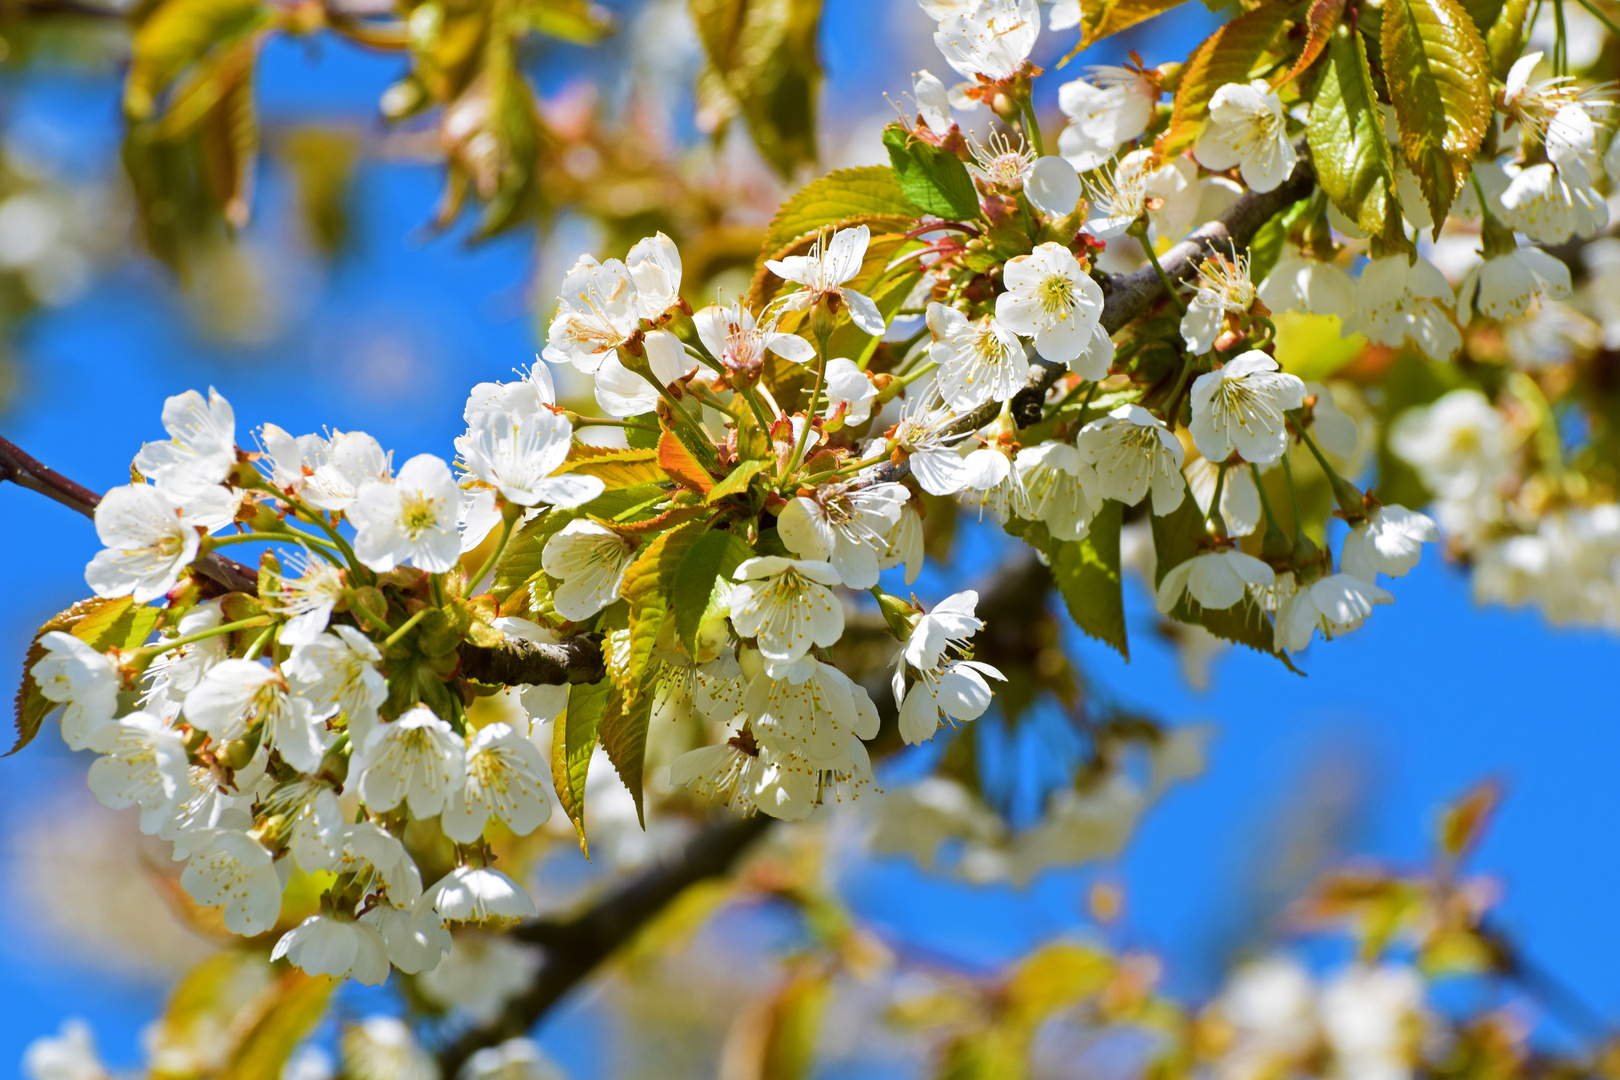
x,y
298,1004
573,739
1226,56
323,163
1099,20
736,481
578,21
1346,137
776,1038
175,34
1484,13
1463,823
228,988
1506,37
704,570
933,179
492,136
1439,81
1054,977
763,52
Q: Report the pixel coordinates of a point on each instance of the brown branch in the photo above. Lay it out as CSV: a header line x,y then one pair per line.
x,y
576,946
1126,296
518,663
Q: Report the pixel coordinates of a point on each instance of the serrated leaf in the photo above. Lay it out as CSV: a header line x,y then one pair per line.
x,y
1346,139
681,465
1440,84
1483,14
867,195
1320,20
615,467
1175,540
99,622
1099,20
624,737
299,1003
1228,55
933,179
573,739
704,570
736,481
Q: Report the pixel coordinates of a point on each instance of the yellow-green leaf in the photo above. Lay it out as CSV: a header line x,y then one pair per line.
x,y
762,57
703,571
736,481
1440,84
1099,20
99,622
299,1003
1229,55
176,34
573,738
869,194
1346,138
933,178
1323,16
1506,37
615,467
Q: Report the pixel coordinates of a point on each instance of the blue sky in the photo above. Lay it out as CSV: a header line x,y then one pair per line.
x,y
1431,696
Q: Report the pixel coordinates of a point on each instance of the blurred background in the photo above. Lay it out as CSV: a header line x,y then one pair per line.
x,y
341,303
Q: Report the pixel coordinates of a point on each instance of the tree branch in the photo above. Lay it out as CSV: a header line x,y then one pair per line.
x,y
575,946
519,663
1126,296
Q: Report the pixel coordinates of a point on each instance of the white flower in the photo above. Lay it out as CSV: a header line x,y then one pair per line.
x,y
231,869
654,265
1248,129
381,1048
1051,299
378,862
322,945
994,484
823,272
143,764
589,560
314,829
809,709
930,449
416,941
932,101
333,469
1001,166
504,771
946,685
848,389
1215,580
906,544
515,1059
475,895
847,527
1223,287
1390,541
201,447
1079,826
1240,497
739,343
1111,109
1401,300
147,546
235,695
337,672
990,38
517,456
1118,196
1310,286
1053,187
1240,406
416,759
1369,1015
1334,605
482,973
411,520
1132,453
1059,489
1336,430
622,392
598,313
68,1056
1549,207
1458,444
949,625
1508,285
978,361
787,605
728,773
85,681
308,598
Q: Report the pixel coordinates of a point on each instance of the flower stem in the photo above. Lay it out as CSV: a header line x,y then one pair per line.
x,y
212,542
1032,126
1170,287
1217,519
147,652
508,520
755,407
359,609
810,409
1347,495
404,628
257,648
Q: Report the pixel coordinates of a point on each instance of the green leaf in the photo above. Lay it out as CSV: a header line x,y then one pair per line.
x,y
176,34
762,64
577,21
1086,573
1483,13
736,481
1175,540
522,559
870,195
1440,84
933,179
1348,148
573,739
99,622
702,573
1099,20
1228,55
617,468
1506,37
298,1004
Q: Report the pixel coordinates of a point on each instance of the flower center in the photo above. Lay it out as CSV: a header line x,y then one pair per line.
x,y
417,514
1056,296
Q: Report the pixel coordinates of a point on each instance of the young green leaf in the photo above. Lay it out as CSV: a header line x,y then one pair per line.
x,y
868,195
1440,83
615,467
1346,138
573,739
934,180
703,571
